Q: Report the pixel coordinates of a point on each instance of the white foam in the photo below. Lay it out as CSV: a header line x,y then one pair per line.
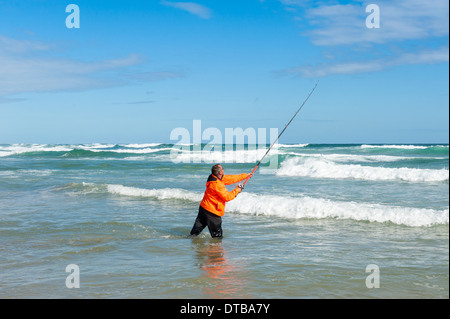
x,y
138,151
406,147
318,208
343,158
219,156
125,151
16,149
303,207
92,146
165,193
321,168
291,145
141,145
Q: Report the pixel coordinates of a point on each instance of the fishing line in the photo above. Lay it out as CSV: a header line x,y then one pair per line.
x,y
279,135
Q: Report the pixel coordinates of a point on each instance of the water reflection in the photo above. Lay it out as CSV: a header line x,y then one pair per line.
x,y
224,278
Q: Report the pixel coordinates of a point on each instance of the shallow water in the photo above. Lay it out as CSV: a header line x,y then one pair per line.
x,y
306,229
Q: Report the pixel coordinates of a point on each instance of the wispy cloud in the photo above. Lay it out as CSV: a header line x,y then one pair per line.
x,y
154,76
411,32
194,8
136,102
28,67
400,20
21,46
326,69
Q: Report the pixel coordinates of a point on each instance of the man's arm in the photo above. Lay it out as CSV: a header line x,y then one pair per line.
x,y
231,179
224,194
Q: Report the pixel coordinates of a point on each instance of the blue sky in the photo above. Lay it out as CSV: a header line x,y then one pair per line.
x,y
136,70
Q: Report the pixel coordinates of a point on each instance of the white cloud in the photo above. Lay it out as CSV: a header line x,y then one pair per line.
x,y
25,74
27,67
17,46
400,20
191,7
322,70
154,76
411,32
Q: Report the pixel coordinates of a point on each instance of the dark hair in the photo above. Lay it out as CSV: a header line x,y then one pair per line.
x,y
215,170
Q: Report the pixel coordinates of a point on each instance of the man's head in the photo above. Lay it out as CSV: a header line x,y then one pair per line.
x,y
217,170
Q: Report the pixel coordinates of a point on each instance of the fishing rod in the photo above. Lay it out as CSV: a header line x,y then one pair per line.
x,y
285,127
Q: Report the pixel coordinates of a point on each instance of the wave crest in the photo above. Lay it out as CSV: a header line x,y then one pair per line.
x,y
303,207
319,208
321,168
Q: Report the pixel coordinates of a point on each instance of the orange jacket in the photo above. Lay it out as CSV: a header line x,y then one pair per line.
x,y
216,194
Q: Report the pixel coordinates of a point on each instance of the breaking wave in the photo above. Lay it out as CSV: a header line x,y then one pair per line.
x,y
290,207
322,168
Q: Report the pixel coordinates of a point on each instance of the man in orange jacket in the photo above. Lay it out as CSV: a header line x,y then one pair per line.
x,y
212,206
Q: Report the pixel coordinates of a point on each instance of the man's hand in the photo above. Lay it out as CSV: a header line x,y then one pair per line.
x,y
239,188
250,175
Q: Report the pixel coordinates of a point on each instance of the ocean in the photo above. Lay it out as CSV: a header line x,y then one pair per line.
x,y
315,221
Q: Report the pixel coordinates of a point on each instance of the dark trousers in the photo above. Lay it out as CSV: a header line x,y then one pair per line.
x,y
205,218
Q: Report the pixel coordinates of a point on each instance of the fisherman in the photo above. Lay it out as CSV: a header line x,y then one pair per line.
x,y
212,206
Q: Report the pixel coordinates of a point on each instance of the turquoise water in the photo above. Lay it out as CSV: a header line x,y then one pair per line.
x,y
306,226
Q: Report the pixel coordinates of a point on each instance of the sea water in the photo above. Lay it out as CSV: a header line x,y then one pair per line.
x,y
327,221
